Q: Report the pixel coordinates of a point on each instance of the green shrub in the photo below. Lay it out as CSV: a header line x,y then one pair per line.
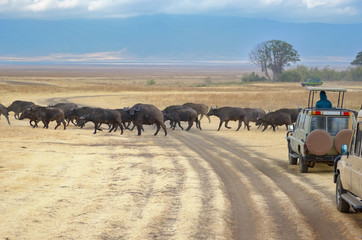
x,y
355,74
252,77
151,82
290,76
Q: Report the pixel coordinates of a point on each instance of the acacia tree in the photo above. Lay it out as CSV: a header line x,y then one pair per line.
x,y
358,60
273,55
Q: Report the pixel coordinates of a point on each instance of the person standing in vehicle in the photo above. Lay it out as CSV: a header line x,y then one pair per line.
x,y
323,102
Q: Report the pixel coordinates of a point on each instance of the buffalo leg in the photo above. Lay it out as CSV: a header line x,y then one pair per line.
x,y
220,125
247,124
164,128
226,124
58,124
46,124
179,124
7,118
190,125
139,128
120,126
158,128
96,127
64,123
239,125
198,124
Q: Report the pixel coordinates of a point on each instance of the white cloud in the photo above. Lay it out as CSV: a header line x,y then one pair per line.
x,y
39,5
326,3
292,10
68,4
271,2
3,2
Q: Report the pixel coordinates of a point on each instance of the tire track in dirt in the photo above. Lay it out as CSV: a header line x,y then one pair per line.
x,y
210,215
313,220
242,216
263,224
315,212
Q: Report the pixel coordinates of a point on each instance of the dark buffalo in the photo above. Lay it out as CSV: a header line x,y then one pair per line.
x,y
126,117
31,116
254,114
225,114
98,116
19,106
169,110
275,119
44,114
76,113
293,112
147,114
200,108
185,114
67,109
4,112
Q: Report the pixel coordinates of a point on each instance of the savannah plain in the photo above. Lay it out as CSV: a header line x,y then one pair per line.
x,y
208,184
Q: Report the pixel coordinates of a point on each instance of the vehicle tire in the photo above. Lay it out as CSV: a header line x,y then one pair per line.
x,y
319,142
303,168
292,160
342,205
342,137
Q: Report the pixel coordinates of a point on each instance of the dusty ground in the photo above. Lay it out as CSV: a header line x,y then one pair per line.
x,y
71,184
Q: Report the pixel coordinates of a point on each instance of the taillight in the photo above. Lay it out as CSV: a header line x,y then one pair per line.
x,y
346,113
316,113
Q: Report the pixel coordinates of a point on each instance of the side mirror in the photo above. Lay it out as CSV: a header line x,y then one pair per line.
x,y
291,127
344,149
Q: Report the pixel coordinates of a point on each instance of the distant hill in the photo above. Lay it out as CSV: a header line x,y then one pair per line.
x,y
177,38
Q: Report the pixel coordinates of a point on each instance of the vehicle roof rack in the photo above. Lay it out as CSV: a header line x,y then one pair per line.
x,y
313,90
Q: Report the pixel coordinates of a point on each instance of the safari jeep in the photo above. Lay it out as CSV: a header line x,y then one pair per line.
x,y
319,132
348,172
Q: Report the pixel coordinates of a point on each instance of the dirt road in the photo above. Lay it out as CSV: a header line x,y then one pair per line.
x,y
189,185
268,201
208,184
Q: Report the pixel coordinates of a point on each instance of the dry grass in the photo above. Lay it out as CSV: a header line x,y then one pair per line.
x,y
130,89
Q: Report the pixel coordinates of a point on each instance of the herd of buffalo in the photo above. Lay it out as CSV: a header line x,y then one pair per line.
x,y
145,114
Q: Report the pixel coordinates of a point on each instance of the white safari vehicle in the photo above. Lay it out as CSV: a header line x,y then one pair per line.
x,y
348,172
319,132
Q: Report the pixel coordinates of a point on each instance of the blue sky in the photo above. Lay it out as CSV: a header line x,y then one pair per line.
x,y
324,11
73,31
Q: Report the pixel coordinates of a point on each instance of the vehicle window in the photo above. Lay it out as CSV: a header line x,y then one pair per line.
x,y
318,122
336,124
358,145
